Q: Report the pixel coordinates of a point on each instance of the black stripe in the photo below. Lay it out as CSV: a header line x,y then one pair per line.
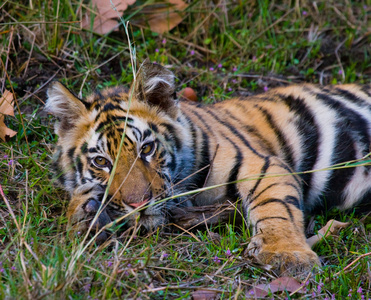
x,y
174,135
200,118
84,148
275,200
172,164
112,121
58,170
121,119
71,152
289,171
235,132
137,133
268,218
352,98
121,132
262,171
88,191
290,199
146,133
294,201
103,125
287,151
203,163
344,151
252,131
349,119
153,127
92,150
233,174
262,191
310,136
86,104
111,106
111,150
79,166
366,88
194,135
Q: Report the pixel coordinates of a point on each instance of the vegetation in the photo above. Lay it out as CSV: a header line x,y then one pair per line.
x,y
221,49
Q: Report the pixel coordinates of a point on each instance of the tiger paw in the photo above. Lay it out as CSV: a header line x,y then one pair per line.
x,y
285,257
83,209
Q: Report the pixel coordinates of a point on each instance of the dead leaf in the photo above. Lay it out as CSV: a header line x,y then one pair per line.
x,y
278,285
332,227
203,295
106,16
160,17
164,19
6,108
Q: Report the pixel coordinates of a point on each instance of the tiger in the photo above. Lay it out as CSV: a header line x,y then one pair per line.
x,y
139,148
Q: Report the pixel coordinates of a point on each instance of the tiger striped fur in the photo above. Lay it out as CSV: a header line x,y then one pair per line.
x,y
173,146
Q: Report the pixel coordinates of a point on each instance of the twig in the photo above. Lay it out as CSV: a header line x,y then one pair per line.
x,y
190,233
41,87
10,209
175,287
303,285
352,263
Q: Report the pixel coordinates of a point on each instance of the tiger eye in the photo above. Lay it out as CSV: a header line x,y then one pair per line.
x,y
100,161
146,148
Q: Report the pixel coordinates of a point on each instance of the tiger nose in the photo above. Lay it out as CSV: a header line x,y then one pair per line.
x,y
132,201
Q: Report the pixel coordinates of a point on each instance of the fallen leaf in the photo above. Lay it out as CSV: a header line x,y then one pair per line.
x,y
203,295
106,16
166,18
6,108
332,227
160,17
281,284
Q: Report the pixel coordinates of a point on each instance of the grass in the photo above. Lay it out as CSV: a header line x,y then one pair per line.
x,y
221,49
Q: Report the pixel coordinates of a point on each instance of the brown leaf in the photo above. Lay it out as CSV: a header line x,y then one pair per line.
x,y
106,16
279,285
203,295
6,108
164,19
332,227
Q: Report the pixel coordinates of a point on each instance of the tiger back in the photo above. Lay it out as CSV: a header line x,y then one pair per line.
x,y
260,149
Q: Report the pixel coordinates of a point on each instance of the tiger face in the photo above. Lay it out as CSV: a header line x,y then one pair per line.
x,y
118,140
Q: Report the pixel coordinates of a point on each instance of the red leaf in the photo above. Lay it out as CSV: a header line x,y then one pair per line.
x,y
106,16
279,285
163,20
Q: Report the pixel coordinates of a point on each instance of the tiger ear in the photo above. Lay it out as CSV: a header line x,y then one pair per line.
x,y
155,86
64,105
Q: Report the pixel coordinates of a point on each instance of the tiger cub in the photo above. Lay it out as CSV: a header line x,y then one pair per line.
x,y
172,146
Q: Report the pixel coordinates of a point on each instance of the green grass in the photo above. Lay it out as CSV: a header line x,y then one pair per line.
x,y
258,44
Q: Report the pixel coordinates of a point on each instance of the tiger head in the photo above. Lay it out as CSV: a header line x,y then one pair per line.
x,y
125,141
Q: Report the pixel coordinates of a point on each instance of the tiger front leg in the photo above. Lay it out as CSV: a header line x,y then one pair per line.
x,y
84,205
273,207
